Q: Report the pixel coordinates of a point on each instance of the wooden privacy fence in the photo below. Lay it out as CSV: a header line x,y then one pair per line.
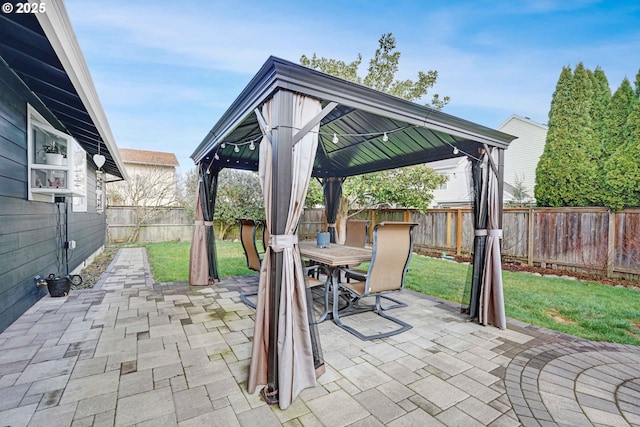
x,y
166,225
579,239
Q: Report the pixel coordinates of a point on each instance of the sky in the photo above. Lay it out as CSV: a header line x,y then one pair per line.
x,y
166,71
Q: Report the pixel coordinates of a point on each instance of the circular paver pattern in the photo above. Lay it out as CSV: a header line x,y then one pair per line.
x,y
577,383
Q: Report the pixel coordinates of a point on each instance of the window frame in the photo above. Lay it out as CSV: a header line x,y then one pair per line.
x,y
72,174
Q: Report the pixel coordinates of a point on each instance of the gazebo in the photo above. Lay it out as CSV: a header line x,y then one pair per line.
x,y
291,123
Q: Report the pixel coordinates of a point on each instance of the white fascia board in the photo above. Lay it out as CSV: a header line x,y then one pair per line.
x,y
57,27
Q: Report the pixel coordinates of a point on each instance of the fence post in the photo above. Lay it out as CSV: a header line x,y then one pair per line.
x,y
611,243
448,238
531,234
459,233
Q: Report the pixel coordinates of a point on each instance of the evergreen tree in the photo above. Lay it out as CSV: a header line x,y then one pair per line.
x,y
568,169
601,102
599,110
616,119
637,91
623,167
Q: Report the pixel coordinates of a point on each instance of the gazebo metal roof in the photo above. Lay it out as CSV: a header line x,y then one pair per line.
x,y
415,134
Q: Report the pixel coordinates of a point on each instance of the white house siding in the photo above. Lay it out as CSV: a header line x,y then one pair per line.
x,y
523,154
457,188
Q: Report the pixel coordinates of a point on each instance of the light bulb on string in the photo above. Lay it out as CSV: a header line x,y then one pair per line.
x,y
335,138
236,149
252,146
455,150
223,145
216,157
385,138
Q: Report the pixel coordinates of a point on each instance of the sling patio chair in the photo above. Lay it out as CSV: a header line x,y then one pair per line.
x,y
357,232
248,228
248,238
357,235
392,247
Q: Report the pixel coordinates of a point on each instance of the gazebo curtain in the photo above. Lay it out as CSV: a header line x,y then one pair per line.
x,y
203,263
491,296
295,362
486,302
332,191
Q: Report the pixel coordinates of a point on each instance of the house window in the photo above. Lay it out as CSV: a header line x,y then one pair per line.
x,y
57,163
443,186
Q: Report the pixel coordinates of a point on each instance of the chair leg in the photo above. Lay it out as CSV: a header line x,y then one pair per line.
x,y
325,297
244,298
398,304
378,309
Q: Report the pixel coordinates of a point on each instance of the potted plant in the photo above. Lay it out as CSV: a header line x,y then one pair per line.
x,y
52,153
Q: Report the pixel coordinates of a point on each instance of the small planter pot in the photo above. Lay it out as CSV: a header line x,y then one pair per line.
x,y
53,159
58,286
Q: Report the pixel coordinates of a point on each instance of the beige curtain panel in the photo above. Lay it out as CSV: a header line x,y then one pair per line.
x,y
491,295
296,369
198,257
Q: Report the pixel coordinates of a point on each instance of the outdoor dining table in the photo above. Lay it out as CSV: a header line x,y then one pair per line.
x,y
331,258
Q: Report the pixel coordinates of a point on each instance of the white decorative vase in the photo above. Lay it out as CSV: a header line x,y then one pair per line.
x,y
53,159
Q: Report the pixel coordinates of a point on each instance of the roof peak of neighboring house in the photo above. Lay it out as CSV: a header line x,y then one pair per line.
x,y
523,119
147,157
447,163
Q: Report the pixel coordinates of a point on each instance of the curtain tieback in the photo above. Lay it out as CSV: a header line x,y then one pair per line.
x,y
480,232
331,225
280,242
496,232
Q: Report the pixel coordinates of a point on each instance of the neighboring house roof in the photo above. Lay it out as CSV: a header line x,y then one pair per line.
x,y
41,48
447,163
151,158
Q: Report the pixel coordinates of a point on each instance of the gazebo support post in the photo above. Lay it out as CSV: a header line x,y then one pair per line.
x,y
282,144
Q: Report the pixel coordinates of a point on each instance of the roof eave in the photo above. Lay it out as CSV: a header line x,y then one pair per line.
x,y
58,30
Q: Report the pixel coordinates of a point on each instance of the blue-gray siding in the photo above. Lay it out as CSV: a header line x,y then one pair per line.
x,y
29,231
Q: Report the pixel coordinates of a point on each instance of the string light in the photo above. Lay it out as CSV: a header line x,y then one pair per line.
x,y
455,150
335,138
385,138
236,149
252,146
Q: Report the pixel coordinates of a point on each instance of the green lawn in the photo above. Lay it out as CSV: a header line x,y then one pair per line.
x,y
585,309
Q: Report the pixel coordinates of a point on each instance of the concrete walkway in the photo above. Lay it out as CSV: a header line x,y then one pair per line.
x,y
131,352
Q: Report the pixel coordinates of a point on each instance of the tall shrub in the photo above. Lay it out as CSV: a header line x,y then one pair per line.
x,y
567,172
623,167
616,119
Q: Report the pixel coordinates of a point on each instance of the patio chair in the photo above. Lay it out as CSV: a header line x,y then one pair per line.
x,y
248,239
357,235
248,229
357,232
392,246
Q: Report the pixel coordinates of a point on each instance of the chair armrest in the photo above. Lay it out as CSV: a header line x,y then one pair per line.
x,y
359,275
